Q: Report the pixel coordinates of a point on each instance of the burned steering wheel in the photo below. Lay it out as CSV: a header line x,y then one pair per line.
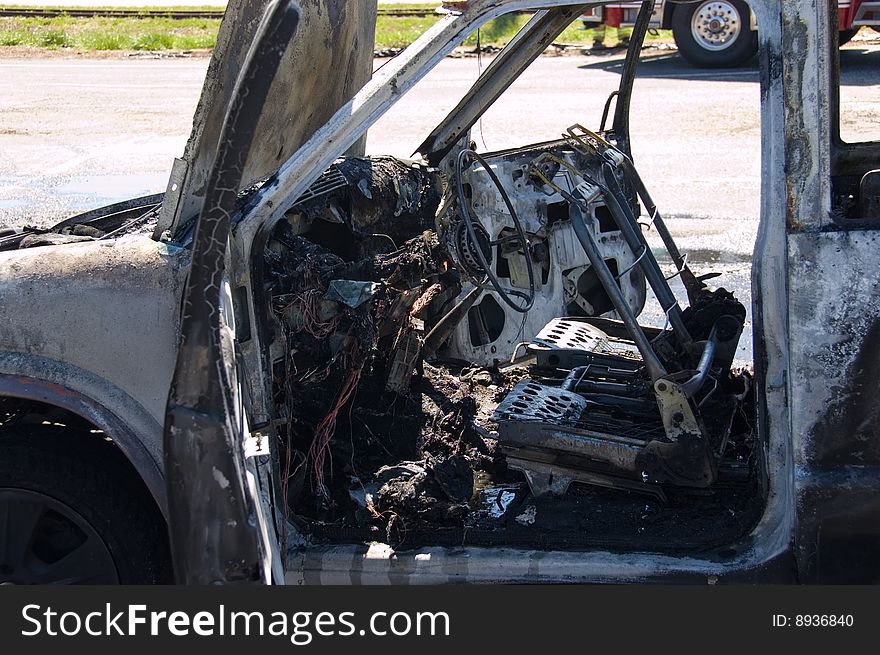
x,y
506,295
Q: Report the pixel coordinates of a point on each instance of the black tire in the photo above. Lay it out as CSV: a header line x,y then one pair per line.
x,y
734,13
846,36
83,503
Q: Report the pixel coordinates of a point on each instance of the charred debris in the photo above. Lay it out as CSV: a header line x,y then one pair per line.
x,y
601,433
120,219
382,441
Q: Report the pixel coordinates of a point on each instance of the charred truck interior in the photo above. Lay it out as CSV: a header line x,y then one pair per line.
x,y
447,355
457,359
413,410
455,353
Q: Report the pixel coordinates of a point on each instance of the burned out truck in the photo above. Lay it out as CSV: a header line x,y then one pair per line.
x,y
305,365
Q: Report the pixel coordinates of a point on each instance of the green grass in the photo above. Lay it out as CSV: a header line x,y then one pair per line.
x,y
94,40
399,32
91,34
53,39
499,31
10,38
153,41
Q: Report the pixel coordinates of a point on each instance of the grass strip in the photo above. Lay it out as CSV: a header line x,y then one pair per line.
x,y
135,33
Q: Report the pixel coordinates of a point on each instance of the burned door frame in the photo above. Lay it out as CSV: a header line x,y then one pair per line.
x,y
220,528
794,59
769,541
834,322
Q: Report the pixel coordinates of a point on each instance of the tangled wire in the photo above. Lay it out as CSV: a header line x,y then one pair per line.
x,y
327,427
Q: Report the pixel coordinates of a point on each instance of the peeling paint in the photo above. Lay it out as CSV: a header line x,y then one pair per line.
x,y
220,478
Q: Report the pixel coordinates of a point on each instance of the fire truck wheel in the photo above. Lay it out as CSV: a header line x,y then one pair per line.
x,y
715,33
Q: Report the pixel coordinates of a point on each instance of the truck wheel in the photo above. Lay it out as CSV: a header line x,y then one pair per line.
x,y
72,513
714,34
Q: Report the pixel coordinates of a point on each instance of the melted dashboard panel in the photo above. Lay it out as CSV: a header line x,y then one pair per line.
x,y
565,283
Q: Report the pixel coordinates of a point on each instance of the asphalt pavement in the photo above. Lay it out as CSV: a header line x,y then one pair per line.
x,y
77,133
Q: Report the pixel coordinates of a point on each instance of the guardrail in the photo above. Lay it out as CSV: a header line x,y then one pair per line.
x,y
51,12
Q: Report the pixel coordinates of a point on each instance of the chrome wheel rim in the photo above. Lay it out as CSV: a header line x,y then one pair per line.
x,y
716,25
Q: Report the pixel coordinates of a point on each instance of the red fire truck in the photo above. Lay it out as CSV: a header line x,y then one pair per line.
x,y
721,33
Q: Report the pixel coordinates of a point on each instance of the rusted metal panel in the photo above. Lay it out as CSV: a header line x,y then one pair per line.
x,y
805,50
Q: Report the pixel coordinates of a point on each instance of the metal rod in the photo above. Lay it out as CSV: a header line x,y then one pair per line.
x,y
607,109
620,124
628,225
576,376
640,406
606,278
680,270
634,264
619,158
696,381
526,46
446,325
691,283
592,386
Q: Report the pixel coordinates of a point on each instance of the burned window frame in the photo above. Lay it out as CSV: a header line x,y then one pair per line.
x,y
849,161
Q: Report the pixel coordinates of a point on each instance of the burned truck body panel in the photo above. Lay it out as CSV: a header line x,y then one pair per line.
x,y
834,351
609,451
831,312
321,70
82,319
